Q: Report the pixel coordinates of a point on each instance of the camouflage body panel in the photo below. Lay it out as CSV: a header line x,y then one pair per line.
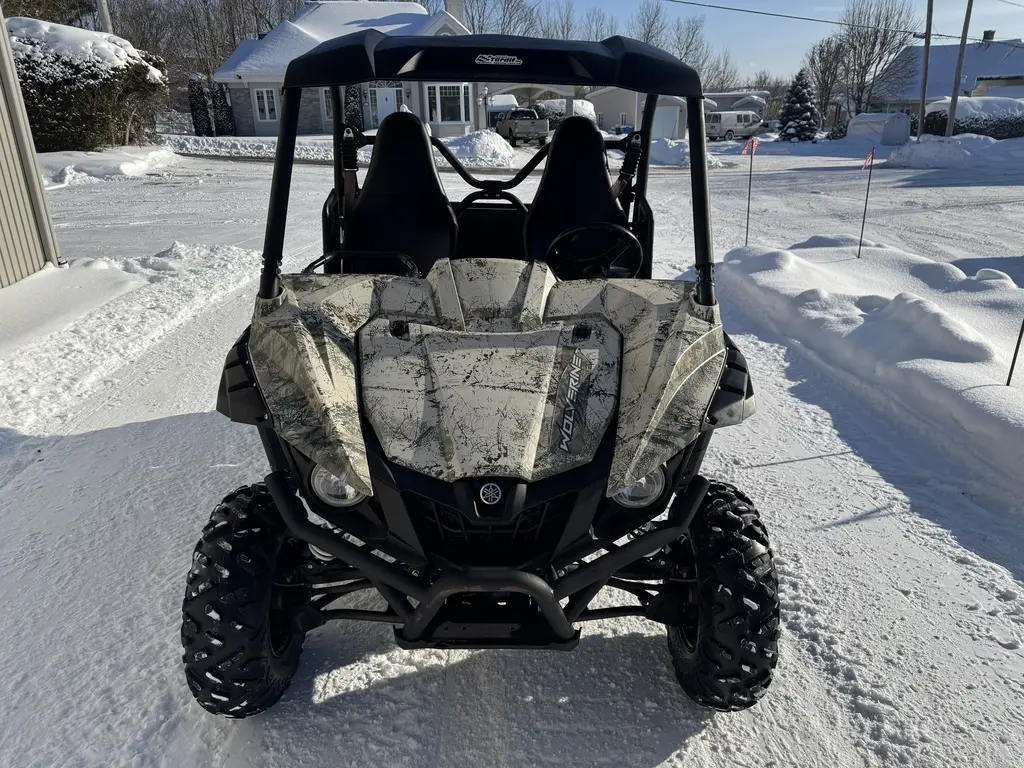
x,y
485,361
672,357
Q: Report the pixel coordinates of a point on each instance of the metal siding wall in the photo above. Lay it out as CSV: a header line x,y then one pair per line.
x,y
21,252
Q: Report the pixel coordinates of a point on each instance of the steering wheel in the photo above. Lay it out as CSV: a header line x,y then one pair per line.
x,y
599,250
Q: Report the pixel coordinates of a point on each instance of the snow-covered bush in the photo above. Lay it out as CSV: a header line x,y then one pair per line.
x,y
799,115
553,110
838,131
83,89
1008,125
199,105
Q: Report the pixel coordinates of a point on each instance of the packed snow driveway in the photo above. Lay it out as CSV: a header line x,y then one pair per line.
x,y
903,609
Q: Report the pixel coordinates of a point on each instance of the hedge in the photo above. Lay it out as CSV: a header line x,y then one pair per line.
x,y
1005,126
75,104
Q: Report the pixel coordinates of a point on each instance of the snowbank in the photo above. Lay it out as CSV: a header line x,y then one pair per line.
x,y
53,298
33,38
60,169
107,331
965,150
928,341
481,149
979,106
676,152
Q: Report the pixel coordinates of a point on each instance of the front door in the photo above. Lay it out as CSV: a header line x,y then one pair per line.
x,y
383,101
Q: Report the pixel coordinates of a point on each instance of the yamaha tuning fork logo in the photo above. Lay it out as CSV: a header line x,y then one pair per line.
x,y
500,59
490,494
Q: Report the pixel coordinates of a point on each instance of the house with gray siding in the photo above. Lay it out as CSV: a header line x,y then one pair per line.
x,y
254,73
988,65
617,107
27,240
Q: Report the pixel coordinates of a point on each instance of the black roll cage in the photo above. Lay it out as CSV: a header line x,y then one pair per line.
x,y
346,142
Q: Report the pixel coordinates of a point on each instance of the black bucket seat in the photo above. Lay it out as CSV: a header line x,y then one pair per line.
x,y
402,207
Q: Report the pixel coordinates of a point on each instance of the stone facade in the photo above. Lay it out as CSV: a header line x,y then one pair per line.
x,y
311,117
241,108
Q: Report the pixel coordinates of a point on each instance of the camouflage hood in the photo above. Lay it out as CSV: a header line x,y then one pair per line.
x,y
486,367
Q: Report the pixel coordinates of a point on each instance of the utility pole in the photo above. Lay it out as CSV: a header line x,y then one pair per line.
x,y
959,71
103,14
924,68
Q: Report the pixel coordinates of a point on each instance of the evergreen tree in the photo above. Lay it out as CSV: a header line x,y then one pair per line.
x,y
197,102
353,107
799,115
223,118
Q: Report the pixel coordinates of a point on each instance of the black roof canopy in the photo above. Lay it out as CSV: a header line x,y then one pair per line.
x,y
373,55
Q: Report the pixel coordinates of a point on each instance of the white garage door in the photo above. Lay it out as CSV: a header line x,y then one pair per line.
x,y
666,123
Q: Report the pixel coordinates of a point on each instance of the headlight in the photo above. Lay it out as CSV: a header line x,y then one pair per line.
x,y
643,492
334,490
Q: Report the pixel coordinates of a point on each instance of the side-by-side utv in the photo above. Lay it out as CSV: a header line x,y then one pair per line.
x,y
484,410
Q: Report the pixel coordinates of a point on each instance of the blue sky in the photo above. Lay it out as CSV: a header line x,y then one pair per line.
x,y
778,45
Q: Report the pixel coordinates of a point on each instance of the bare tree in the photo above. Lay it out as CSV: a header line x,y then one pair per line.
x,y
597,25
776,87
824,64
875,38
79,13
689,43
432,6
557,20
476,15
649,23
512,17
720,73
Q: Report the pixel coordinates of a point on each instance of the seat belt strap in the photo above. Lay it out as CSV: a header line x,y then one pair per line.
x,y
622,189
349,169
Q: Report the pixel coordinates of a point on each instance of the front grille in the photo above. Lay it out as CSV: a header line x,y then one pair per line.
x,y
529,539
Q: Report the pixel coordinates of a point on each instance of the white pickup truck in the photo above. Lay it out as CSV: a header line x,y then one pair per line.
x,y
522,125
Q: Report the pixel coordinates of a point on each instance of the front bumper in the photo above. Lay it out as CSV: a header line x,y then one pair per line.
x,y
519,609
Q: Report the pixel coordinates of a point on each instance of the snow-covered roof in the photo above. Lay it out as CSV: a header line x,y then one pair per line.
x,y
502,101
748,101
319,21
763,95
31,37
980,59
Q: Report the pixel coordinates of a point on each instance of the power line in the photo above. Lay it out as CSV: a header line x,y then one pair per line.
x,y
834,22
1010,2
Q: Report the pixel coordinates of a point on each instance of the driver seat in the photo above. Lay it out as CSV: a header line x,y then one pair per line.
x,y
402,207
574,188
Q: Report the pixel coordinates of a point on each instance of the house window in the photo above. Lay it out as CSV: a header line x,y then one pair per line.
x,y
600,119
266,104
622,118
448,103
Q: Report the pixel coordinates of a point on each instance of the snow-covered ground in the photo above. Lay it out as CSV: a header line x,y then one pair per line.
x,y
901,560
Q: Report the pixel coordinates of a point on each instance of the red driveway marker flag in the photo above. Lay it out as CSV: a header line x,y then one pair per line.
x,y
752,146
870,165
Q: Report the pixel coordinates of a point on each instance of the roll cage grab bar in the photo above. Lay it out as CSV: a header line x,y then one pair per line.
x,y
486,189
